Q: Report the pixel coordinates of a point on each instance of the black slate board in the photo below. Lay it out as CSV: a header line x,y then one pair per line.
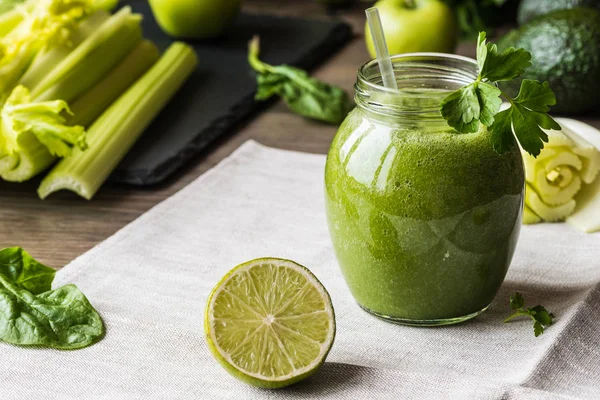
x,y
219,94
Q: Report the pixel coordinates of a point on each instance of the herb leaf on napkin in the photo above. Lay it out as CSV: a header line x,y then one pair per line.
x,y
541,317
31,313
302,93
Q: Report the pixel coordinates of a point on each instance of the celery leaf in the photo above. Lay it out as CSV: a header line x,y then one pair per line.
x,y
45,120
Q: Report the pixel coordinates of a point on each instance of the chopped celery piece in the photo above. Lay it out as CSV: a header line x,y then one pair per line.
x,y
35,129
11,19
108,41
9,5
545,211
529,217
117,129
45,23
87,108
91,60
48,58
30,161
587,213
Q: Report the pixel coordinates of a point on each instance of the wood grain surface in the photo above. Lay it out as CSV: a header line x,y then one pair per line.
x,y
57,230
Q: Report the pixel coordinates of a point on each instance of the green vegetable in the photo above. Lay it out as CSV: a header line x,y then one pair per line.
x,y
565,51
9,5
99,44
87,108
303,94
540,316
117,129
31,313
44,120
44,22
32,133
531,9
91,60
480,101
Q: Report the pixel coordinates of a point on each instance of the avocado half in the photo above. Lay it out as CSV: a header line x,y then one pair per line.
x,y
530,9
565,49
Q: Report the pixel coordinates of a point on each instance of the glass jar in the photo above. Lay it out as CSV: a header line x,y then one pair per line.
x,y
424,220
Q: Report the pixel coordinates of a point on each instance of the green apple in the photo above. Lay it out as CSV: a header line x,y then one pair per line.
x,y
412,26
199,19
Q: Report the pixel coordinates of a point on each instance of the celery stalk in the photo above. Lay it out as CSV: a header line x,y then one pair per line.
x,y
48,58
82,67
9,21
45,23
91,60
87,108
113,134
31,160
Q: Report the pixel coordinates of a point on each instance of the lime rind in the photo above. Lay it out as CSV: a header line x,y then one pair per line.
x,y
274,323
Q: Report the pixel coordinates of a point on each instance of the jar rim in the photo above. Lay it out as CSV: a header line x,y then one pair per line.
x,y
424,81
362,76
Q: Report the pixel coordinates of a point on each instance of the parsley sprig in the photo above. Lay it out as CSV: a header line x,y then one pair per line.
x,y
480,101
540,316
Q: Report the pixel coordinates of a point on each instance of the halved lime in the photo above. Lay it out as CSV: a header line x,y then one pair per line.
x,y
270,322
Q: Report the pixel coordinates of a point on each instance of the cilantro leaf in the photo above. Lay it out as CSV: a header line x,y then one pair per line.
x,y
539,315
480,101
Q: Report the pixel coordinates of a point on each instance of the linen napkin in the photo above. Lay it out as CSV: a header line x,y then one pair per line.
x,y
150,283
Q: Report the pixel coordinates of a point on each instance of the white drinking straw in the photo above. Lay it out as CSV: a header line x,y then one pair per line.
x,y
381,50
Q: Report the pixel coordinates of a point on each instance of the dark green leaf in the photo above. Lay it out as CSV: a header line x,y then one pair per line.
x,y
546,121
536,96
312,98
489,102
33,314
517,301
541,315
482,50
303,94
538,329
25,272
501,132
462,110
506,65
526,128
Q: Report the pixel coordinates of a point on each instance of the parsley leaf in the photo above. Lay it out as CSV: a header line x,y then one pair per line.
x,y
540,316
480,101
303,94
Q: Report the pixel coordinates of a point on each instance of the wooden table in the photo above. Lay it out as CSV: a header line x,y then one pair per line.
x,y
57,230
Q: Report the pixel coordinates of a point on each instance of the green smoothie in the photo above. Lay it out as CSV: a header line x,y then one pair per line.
x,y
424,221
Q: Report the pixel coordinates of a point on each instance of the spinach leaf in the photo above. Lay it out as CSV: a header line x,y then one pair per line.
x,y
33,314
25,272
303,94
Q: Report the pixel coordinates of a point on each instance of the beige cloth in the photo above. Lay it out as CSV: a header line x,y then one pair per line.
x,y
151,280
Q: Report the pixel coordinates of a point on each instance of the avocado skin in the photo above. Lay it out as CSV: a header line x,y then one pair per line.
x,y
565,49
530,9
